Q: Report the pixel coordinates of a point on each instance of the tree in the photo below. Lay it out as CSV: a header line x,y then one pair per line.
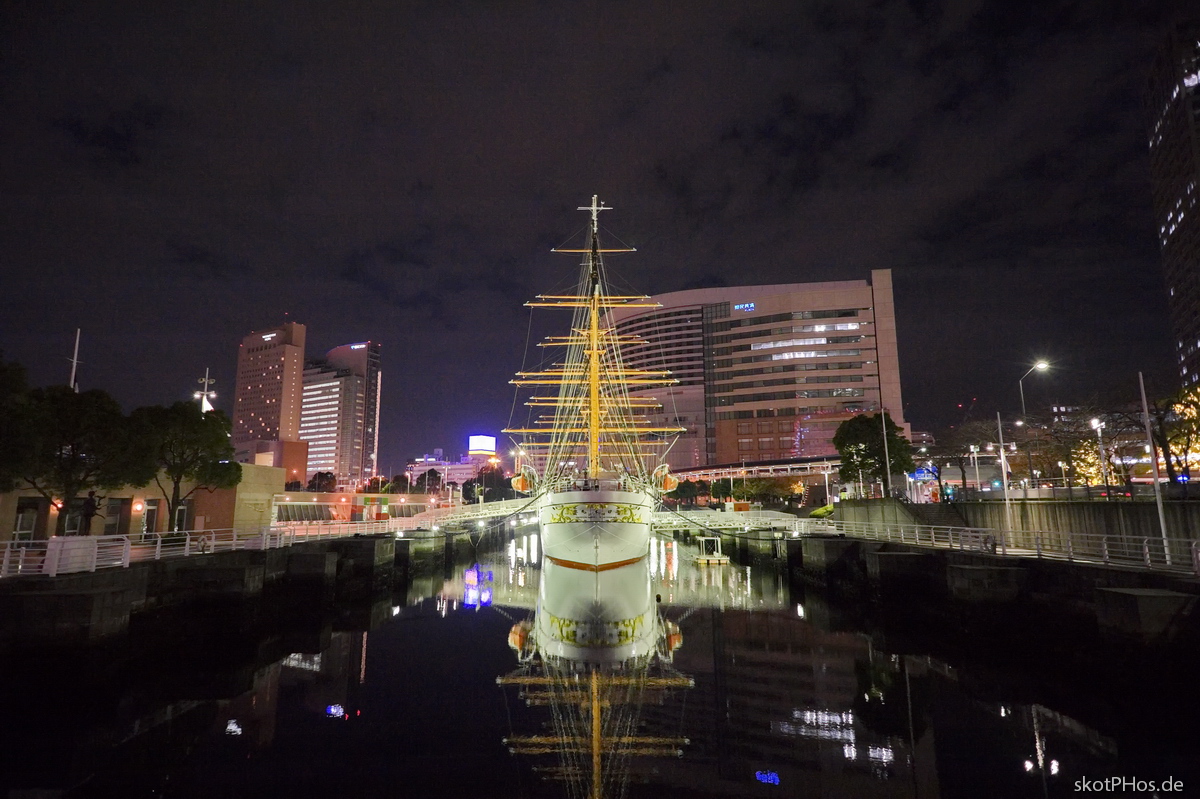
x,y
293,485
187,445
79,442
489,480
399,484
428,482
859,442
323,482
376,485
686,491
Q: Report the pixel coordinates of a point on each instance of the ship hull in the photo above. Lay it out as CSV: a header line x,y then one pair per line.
x,y
594,603
596,529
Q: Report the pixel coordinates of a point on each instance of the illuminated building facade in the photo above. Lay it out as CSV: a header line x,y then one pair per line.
x,y
769,372
266,405
339,416
1173,108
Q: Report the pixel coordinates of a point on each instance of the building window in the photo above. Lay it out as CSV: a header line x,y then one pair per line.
x,y
745,444
744,428
787,427
766,427
766,443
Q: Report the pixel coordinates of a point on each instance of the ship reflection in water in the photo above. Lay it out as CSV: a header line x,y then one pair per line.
x,y
734,685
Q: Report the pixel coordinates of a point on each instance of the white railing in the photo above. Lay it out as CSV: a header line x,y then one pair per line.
x,y
71,554
1179,555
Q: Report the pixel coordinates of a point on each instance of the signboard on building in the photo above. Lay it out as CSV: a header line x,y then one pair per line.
x,y
481,445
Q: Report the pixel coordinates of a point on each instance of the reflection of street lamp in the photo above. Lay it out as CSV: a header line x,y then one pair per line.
x,y
1098,425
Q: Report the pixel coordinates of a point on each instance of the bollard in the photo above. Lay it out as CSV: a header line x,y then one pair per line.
x,y
1104,547
1146,551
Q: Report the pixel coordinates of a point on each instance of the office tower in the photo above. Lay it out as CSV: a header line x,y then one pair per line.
x,y
1173,107
269,381
769,372
339,417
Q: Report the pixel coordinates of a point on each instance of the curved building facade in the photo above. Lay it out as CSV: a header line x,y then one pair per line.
x,y
768,372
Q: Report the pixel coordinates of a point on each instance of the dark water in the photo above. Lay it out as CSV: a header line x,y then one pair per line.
x,y
796,693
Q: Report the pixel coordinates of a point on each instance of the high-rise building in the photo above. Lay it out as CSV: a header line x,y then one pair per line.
x,y
1173,108
768,372
339,417
266,405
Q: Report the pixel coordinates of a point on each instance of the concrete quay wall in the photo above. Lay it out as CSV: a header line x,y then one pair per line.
x,y
1132,602
87,607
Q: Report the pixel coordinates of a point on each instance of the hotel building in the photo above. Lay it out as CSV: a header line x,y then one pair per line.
x,y
266,404
339,416
768,372
1173,108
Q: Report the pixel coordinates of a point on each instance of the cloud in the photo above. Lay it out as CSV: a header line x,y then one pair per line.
x,y
205,262
122,137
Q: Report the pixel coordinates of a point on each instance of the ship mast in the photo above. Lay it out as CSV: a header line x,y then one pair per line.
x,y
594,352
594,414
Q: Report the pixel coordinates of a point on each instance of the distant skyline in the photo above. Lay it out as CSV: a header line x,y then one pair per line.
x,y
176,177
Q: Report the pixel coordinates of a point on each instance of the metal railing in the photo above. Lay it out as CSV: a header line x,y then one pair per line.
x,y
1179,555
72,554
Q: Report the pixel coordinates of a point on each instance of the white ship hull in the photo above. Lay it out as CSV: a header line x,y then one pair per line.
x,y
594,602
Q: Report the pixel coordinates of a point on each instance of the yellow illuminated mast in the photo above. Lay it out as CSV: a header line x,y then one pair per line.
x,y
593,400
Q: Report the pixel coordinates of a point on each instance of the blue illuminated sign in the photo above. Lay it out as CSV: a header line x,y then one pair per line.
x,y
767,777
477,588
335,711
744,306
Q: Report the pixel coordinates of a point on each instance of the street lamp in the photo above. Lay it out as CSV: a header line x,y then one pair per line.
x,y
1040,366
1063,465
1098,425
975,461
205,393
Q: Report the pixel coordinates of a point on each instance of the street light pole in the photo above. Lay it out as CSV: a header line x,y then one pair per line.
x,y
1098,425
887,460
1040,366
1162,517
975,461
1004,474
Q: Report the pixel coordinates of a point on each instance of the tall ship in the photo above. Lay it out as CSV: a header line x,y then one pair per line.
x,y
596,645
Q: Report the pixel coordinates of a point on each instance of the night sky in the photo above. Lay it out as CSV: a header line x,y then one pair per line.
x,y
175,175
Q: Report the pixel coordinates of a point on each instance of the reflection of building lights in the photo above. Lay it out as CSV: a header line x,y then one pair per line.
x,y
880,754
800,611
395,610
335,711
767,777
1029,765
849,752
1053,767
232,727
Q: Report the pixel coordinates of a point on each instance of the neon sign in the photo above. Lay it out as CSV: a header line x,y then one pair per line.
x,y
358,346
767,777
744,306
